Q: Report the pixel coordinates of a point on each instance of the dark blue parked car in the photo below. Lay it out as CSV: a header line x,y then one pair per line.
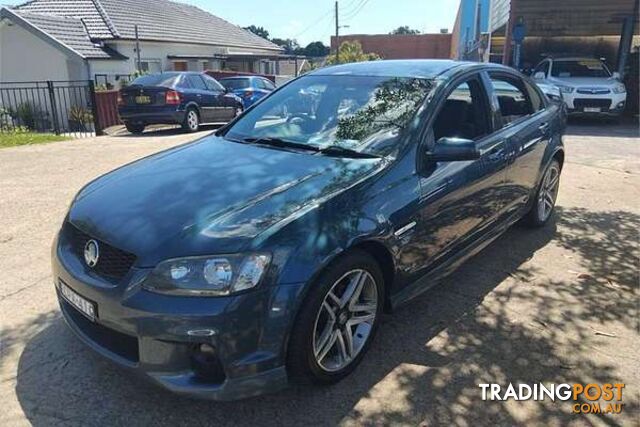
x,y
249,88
266,253
181,98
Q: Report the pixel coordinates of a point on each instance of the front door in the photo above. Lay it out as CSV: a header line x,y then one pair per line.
x,y
461,201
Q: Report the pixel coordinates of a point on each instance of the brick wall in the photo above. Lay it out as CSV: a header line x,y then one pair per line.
x,y
421,46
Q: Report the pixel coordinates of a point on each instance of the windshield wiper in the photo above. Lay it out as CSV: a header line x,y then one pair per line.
x,y
336,150
280,143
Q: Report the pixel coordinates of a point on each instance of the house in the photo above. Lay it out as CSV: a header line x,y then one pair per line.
x,y
401,46
98,40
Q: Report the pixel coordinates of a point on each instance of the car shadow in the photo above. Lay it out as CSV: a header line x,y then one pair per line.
x,y
624,127
426,362
159,131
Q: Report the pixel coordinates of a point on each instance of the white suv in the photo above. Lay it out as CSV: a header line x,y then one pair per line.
x,y
586,84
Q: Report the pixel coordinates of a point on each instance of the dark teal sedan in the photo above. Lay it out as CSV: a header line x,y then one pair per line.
x,y
267,253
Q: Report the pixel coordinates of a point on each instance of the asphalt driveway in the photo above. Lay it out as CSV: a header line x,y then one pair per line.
x,y
557,305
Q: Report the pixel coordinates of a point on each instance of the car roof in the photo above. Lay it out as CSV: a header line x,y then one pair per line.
x,y
241,77
574,58
416,68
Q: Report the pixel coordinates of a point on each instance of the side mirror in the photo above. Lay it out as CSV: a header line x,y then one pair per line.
x,y
539,75
616,75
451,149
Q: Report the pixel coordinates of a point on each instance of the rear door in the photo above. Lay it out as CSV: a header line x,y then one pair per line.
x,y
524,123
224,105
204,98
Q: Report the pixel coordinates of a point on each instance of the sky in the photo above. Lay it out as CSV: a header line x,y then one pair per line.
x,y
311,20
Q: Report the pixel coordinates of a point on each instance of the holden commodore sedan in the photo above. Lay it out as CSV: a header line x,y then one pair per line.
x,y
267,253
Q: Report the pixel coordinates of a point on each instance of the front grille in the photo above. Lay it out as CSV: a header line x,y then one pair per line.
x,y
593,90
580,103
113,263
116,342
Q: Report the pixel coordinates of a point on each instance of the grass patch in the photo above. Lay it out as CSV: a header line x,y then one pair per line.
x,y
14,139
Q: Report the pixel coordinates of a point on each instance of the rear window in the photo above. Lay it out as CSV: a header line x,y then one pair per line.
x,y
155,80
233,84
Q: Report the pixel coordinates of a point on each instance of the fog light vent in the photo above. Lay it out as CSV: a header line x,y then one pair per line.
x,y
206,364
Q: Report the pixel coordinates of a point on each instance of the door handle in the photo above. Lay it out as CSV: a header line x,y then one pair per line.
x,y
496,154
544,127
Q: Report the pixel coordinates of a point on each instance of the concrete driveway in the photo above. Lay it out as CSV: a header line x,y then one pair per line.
x,y
557,305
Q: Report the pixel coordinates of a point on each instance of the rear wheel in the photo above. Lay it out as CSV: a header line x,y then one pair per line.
x,y
545,201
191,121
337,321
134,128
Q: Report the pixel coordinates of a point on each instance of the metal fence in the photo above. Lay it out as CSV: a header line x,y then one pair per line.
x,y
60,107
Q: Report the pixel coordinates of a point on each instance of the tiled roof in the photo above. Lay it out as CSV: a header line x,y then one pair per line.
x,y
96,22
160,20
69,32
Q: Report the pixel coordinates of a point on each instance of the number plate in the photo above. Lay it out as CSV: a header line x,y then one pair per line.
x,y
83,305
592,110
143,100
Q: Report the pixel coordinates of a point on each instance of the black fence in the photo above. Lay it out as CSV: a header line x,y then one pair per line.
x,y
60,107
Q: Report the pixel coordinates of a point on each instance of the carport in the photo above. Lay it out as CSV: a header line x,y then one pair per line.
x,y
524,31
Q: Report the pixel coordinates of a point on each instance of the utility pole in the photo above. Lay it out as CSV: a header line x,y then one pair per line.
x,y
337,35
138,62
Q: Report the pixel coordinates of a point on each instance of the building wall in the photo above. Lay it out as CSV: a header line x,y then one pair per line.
x,y
389,46
26,57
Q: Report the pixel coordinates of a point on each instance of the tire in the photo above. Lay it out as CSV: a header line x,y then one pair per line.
x,y
134,128
544,203
316,351
191,121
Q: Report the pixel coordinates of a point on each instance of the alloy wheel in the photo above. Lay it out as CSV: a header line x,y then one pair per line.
x,y
192,120
548,192
345,320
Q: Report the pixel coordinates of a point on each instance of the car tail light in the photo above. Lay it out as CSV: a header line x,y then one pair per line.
x,y
120,99
172,98
247,94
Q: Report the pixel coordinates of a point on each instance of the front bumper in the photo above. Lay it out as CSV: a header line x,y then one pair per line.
x,y
612,104
159,335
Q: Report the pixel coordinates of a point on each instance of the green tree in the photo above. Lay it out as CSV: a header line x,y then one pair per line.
x,y
290,46
316,49
352,52
258,31
404,30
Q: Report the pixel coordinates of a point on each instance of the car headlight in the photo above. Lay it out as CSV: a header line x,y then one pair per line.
x,y
208,275
566,89
619,89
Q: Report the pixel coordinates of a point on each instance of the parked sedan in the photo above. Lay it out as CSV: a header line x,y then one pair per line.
x,y
586,85
182,98
267,253
249,88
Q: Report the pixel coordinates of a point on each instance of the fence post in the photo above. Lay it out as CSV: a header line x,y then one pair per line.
x,y
54,109
94,108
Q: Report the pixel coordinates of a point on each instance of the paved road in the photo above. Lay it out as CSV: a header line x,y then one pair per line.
x,y
556,305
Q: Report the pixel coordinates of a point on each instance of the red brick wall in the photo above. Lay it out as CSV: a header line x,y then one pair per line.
x,y
421,46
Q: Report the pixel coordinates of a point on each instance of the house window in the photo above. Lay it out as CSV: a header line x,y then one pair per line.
x,y
180,66
151,65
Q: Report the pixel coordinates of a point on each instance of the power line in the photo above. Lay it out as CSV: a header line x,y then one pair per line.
x,y
357,11
316,22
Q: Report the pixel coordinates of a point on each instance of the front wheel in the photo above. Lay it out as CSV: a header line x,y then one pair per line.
x,y
545,201
337,321
191,121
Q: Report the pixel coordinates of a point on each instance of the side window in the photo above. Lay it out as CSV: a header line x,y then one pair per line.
x,y
464,113
266,84
536,101
513,98
196,82
212,84
543,67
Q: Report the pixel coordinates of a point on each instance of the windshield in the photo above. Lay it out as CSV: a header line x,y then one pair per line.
x,y
361,113
233,84
155,80
581,68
